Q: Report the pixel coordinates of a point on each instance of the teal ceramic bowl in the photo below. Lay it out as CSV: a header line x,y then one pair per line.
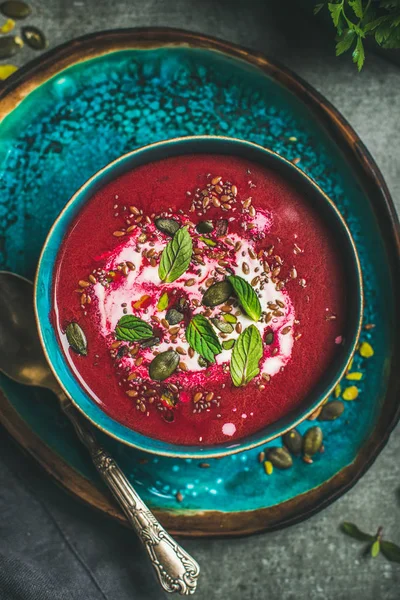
x,y
151,153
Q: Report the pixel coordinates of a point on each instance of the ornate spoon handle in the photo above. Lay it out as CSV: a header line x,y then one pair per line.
x,y
176,570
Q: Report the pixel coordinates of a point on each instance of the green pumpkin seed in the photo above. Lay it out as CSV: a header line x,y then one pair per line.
x,y
167,226
9,46
163,365
279,457
208,241
218,293
293,441
331,411
312,441
173,316
76,338
15,9
222,325
204,227
228,344
169,398
149,342
229,318
221,227
34,38
202,362
269,338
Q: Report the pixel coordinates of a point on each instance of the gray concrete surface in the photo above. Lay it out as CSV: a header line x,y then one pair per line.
x,y
311,561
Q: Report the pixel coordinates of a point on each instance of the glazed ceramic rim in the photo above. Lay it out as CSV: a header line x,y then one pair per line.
x,y
43,286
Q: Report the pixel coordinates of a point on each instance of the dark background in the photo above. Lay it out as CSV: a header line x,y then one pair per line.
x,y
52,547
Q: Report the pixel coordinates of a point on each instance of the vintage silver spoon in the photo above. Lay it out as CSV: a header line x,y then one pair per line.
x,y
22,359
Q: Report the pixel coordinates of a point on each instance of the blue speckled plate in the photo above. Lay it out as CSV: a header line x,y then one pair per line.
x,y
82,105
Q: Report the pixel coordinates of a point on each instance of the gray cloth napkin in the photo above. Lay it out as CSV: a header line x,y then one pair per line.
x,y
54,548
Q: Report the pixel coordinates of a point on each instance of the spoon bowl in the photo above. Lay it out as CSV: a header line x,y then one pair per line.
x,y
21,354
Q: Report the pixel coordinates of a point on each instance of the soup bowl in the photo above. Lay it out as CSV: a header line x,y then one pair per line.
x,y
43,297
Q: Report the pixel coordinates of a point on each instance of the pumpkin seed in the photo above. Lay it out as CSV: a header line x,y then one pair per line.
x,y
293,441
228,344
217,294
331,411
269,468
15,9
366,350
202,362
208,241
149,342
312,441
222,325
279,457
6,71
163,365
9,46
33,37
173,316
204,227
350,393
167,226
221,227
269,338
229,318
76,338
7,26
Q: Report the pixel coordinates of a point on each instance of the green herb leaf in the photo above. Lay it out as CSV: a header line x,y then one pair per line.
x,y
246,355
336,11
345,41
391,551
202,338
356,533
131,329
163,302
317,8
176,256
246,296
76,338
375,548
357,7
358,54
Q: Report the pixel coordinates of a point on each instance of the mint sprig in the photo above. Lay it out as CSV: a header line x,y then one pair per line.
x,y
131,329
202,338
246,296
176,256
246,355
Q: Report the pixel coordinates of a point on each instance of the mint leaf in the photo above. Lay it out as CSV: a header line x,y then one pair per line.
x,y
176,256
356,533
202,338
130,328
391,551
336,11
246,355
358,54
246,296
76,338
345,41
163,302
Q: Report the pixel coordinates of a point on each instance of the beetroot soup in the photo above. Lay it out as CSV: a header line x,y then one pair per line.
x,y
199,298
